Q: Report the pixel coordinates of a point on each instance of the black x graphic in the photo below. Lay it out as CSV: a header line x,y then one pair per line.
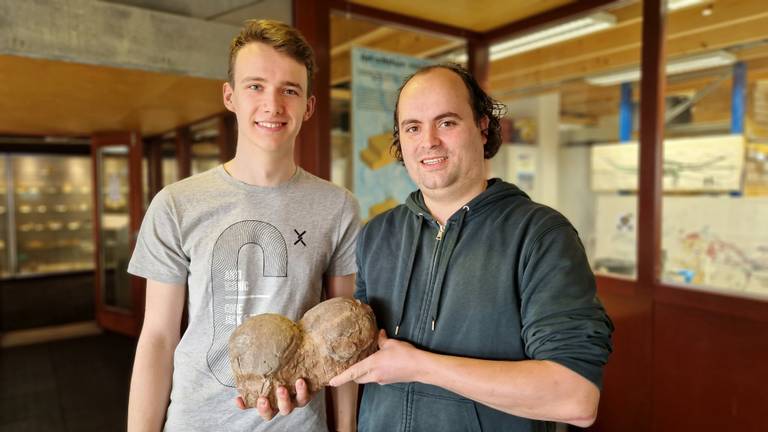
x,y
300,239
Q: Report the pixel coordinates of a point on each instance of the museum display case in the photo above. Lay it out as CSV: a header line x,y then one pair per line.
x,y
112,210
45,214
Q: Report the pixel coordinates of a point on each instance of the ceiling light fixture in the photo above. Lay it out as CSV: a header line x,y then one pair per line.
x,y
681,65
559,33
553,35
674,5
548,36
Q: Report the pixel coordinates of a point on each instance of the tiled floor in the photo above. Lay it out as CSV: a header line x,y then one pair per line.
x,y
74,385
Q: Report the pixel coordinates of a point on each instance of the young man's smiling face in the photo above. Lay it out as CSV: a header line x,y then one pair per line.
x,y
441,143
269,97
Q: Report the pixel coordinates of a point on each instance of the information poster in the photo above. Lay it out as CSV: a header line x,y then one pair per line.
x,y
381,182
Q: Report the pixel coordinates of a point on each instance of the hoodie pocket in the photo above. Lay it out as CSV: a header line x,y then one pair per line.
x,y
445,414
381,409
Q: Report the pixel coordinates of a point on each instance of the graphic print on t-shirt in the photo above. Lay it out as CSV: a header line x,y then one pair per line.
x,y
228,291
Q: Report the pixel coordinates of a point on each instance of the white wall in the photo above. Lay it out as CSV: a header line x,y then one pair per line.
x,y
545,111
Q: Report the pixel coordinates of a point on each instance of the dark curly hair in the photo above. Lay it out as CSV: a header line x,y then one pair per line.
x,y
482,106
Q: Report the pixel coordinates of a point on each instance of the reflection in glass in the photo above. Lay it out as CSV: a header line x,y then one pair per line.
x,y
113,213
205,155
144,184
170,164
5,263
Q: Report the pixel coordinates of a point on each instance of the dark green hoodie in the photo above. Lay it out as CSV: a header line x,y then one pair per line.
x,y
507,279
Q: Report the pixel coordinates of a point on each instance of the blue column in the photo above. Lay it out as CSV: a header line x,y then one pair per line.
x,y
738,97
625,113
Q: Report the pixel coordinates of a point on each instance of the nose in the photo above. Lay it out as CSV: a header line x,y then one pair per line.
x,y
431,136
272,103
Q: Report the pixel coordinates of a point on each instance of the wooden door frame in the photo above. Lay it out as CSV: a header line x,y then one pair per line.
x,y
119,320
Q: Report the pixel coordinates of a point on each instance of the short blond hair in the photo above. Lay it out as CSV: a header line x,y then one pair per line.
x,y
278,35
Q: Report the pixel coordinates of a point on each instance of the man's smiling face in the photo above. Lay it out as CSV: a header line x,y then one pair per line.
x,y
441,143
269,98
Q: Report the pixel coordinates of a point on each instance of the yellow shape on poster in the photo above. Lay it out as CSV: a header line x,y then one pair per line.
x,y
381,207
377,155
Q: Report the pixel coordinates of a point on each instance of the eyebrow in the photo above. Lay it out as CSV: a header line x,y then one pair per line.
x,y
437,118
260,79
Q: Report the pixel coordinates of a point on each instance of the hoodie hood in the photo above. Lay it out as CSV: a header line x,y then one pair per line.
x,y
495,192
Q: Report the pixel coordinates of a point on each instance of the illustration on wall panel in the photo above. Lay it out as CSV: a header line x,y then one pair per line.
x,y
712,242
690,164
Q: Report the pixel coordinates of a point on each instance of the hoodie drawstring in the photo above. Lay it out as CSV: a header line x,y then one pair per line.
x,y
406,282
450,244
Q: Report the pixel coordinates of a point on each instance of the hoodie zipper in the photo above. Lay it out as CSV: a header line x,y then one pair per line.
x,y
435,254
432,268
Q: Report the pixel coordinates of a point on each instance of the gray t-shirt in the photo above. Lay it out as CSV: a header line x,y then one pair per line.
x,y
243,250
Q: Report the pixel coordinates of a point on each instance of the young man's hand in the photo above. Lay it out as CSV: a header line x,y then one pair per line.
x,y
285,405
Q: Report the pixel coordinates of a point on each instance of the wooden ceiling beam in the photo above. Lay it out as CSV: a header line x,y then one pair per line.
x,y
583,98
745,32
403,42
753,53
344,29
363,40
625,36
604,43
566,12
578,118
386,17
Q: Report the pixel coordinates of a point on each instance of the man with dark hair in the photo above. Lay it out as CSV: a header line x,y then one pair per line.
x,y
255,235
487,297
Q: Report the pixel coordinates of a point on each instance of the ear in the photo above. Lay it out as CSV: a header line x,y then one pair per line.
x,y
227,93
484,122
310,107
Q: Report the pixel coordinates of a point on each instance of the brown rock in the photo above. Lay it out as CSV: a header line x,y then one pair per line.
x,y
270,350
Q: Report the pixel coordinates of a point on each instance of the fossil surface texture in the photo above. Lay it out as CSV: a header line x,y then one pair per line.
x,y
270,350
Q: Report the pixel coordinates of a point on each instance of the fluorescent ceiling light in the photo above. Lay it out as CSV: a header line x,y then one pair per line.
x,y
548,36
687,64
679,4
553,35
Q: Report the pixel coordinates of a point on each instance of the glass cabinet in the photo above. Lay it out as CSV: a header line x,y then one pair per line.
x,y
45,214
114,221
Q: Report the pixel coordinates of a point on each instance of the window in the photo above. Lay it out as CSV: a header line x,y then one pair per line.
x,y
715,202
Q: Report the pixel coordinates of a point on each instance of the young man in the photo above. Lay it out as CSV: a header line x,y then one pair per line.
x,y
255,235
488,297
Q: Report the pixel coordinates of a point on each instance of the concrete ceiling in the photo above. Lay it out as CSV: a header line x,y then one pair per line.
x,y
224,11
